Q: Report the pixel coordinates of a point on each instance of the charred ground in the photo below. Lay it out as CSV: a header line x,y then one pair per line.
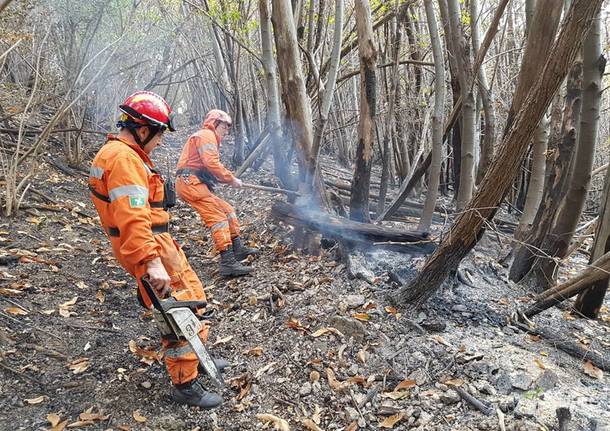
x,y
309,342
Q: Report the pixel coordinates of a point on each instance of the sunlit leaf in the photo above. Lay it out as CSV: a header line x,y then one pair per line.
x,y
593,371
364,317
16,311
255,351
279,423
138,416
405,384
390,421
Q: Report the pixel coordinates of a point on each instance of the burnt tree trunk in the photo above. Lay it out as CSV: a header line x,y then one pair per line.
x,y
456,135
437,119
390,118
293,87
469,225
280,164
541,30
525,256
359,202
558,240
465,75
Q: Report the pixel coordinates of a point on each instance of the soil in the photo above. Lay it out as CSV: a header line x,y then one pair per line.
x,y
313,340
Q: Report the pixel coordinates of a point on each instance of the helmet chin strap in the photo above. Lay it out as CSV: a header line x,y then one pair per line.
x,y
152,131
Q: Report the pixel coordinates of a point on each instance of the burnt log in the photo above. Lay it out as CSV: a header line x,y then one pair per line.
x,y
344,229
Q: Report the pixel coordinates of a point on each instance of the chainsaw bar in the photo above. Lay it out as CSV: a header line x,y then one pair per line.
x,y
189,327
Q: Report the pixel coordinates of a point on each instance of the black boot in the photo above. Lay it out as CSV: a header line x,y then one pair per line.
x,y
220,363
241,251
193,394
231,267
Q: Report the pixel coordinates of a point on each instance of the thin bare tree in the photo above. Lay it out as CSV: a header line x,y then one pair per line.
x,y
359,200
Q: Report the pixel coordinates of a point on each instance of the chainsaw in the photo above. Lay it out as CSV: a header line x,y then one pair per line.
x,y
178,320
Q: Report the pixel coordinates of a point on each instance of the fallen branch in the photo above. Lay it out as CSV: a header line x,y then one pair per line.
x,y
599,170
572,348
481,406
262,142
92,328
47,351
589,229
596,271
501,423
406,188
31,326
23,376
65,169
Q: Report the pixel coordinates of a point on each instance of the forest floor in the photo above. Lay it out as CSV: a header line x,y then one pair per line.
x,y
309,343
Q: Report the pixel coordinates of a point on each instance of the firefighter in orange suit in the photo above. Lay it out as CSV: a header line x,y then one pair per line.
x,y
199,170
128,195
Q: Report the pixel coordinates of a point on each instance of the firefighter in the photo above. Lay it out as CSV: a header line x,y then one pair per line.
x,y
128,195
199,171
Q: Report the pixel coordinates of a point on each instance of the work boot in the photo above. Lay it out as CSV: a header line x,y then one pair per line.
x,y
229,267
193,394
241,251
220,363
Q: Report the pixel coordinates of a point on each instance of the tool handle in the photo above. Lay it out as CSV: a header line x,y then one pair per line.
x,y
270,189
154,299
164,305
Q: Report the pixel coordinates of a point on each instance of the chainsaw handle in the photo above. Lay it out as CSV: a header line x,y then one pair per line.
x,y
154,299
168,305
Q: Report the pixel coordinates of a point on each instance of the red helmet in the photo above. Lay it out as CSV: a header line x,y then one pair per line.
x,y
218,115
147,108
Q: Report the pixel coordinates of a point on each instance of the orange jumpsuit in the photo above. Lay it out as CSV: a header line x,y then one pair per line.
x,y
201,153
128,196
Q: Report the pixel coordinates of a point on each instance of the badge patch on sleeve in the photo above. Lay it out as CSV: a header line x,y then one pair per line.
x,y
137,201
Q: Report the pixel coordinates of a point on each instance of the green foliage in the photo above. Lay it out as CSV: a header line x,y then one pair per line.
x,y
383,5
465,17
533,394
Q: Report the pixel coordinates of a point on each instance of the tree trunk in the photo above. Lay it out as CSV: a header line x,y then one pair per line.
x,y
541,31
526,255
536,181
589,302
329,89
537,47
464,72
414,47
390,116
489,132
558,241
454,163
293,88
4,4
359,202
280,164
437,119
469,225
530,7
594,64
